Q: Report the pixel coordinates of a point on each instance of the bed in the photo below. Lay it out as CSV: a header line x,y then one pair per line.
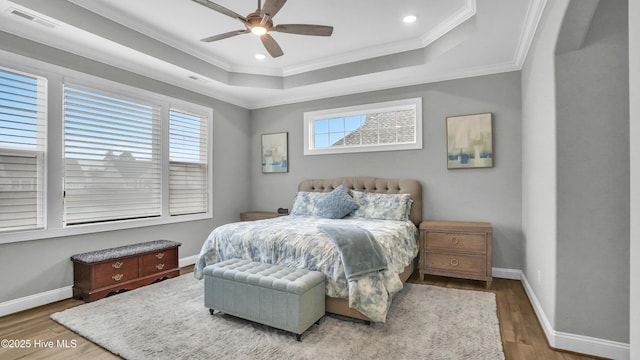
x,y
307,239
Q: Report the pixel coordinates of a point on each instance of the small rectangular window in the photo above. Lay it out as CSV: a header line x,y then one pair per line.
x,y
393,125
23,113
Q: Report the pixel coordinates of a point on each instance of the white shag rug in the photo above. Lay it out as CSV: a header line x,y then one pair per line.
x,y
168,320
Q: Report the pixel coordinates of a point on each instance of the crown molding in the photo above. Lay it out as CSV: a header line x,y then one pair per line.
x,y
456,19
532,19
117,17
365,84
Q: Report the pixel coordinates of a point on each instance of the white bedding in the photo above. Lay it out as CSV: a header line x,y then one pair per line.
x,y
296,241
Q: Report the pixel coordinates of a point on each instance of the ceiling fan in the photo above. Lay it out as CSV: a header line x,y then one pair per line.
x,y
260,22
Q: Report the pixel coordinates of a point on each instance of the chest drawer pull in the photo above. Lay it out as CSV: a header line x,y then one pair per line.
x,y
454,262
159,255
117,264
160,266
117,277
455,240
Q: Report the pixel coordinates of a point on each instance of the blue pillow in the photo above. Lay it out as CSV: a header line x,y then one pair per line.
x,y
305,202
382,206
336,205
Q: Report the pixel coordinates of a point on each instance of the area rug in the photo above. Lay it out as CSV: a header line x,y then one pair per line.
x,y
168,320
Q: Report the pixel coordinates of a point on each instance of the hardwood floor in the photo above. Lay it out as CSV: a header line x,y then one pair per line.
x,y
522,336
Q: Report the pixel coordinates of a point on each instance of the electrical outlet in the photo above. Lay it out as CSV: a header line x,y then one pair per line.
x,y
539,277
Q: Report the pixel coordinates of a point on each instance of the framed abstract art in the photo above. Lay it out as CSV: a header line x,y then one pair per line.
x,y
470,141
275,153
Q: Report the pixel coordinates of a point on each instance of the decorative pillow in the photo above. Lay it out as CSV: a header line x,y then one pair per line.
x,y
382,206
305,202
336,205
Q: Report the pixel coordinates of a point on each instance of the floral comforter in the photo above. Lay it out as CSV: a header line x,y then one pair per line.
x,y
296,241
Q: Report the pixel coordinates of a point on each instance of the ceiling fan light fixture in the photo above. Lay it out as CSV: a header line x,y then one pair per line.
x,y
259,30
260,23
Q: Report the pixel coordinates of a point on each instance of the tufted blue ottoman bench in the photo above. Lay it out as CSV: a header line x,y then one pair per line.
x,y
285,298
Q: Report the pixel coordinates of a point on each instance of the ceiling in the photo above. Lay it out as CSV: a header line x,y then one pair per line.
x,y
371,48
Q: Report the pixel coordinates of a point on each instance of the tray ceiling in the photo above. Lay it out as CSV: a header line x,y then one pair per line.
x,y
371,47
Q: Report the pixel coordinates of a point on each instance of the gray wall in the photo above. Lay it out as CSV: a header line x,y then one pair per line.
x,y
539,161
37,266
492,195
634,104
593,179
575,187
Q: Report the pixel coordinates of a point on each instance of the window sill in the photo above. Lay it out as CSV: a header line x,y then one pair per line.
x,y
357,149
40,234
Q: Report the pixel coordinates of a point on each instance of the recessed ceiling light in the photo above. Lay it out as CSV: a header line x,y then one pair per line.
x,y
260,56
409,19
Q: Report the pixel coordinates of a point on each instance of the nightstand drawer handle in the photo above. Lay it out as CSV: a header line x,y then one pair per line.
x,y
454,262
160,266
159,256
455,241
117,264
117,277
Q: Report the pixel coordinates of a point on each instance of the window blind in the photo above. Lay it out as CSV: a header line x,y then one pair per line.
x,y
22,146
188,173
112,157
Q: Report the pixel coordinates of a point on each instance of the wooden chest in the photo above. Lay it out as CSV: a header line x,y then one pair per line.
x,y
456,249
103,273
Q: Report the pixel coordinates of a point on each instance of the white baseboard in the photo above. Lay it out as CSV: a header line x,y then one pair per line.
x,y
502,273
51,296
186,261
573,342
593,346
35,300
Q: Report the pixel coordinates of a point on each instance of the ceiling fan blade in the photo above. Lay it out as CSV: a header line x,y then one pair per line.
x,y
304,29
271,45
225,35
221,9
271,7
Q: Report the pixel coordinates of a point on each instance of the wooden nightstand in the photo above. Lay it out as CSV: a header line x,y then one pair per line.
x,y
456,249
258,215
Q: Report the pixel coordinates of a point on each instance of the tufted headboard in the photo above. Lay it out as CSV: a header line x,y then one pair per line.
x,y
372,184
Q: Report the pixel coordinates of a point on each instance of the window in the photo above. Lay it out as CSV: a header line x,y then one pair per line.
x,y
23,113
188,170
112,166
393,125
110,157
